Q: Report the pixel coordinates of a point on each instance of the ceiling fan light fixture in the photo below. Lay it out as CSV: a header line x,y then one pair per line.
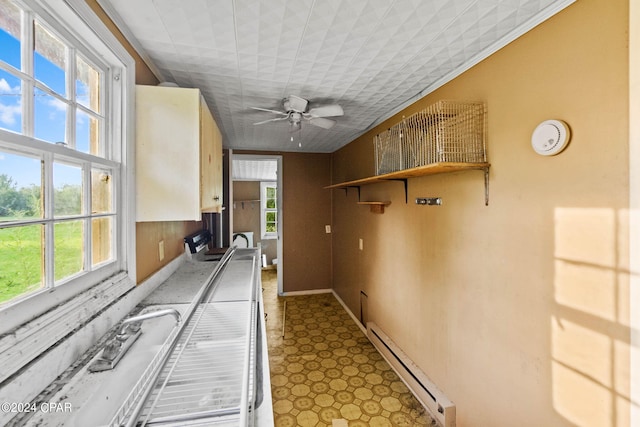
x,y
295,117
296,112
295,126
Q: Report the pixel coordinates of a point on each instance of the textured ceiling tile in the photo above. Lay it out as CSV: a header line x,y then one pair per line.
x,y
143,18
370,56
159,49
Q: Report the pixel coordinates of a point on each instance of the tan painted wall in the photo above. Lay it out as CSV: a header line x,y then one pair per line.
x,y
149,234
306,210
517,310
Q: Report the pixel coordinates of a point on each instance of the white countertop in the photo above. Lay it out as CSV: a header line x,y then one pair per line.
x,y
93,398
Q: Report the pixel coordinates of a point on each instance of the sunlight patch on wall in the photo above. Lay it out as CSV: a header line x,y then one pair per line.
x,y
583,350
586,288
586,235
579,400
590,334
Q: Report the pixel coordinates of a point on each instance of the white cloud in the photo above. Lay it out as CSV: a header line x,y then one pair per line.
x,y
8,113
5,88
57,104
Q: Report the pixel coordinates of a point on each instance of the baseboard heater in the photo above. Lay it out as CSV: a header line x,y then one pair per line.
x,y
440,408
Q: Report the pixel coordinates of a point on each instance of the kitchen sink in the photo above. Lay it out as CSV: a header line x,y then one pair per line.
x,y
95,397
211,369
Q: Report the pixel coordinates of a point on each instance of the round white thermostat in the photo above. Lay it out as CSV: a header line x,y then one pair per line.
x,y
550,137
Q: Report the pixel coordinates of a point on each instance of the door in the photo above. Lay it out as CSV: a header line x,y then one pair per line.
x,y
253,206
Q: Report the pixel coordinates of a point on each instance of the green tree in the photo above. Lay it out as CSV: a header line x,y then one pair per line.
x,y
10,201
32,196
68,200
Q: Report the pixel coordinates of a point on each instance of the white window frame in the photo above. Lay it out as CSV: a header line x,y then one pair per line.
x,y
79,25
263,210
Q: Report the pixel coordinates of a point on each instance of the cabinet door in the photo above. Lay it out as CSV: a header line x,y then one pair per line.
x,y
167,153
211,162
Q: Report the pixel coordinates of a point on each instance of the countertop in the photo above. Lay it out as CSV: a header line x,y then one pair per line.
x,y
93,398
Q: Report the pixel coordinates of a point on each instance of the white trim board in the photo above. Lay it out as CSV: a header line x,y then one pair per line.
x,y
309,292
355,319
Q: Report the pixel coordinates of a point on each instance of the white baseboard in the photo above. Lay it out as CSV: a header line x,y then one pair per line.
x,y
310,292
355,319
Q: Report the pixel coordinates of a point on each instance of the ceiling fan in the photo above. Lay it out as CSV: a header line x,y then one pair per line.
x,y
295,111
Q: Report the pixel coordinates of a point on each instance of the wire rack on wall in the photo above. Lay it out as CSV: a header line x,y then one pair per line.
x,y
447,131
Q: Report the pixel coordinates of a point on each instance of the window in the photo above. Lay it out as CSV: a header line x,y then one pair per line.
x,y
61,152
269,210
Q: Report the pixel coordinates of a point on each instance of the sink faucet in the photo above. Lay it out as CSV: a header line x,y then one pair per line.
x,y
133,323
129,332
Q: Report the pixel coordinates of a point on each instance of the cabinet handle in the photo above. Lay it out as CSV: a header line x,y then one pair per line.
x,y
216,198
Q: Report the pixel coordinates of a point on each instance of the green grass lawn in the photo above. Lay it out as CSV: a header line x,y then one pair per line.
x,y
21,259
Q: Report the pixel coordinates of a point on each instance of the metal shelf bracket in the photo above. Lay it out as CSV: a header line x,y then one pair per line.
x,y
346,190
486,186
406,192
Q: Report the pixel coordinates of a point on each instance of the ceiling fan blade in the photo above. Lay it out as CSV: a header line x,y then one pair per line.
x,y
326,111
322,122
295,103
270,111
277,119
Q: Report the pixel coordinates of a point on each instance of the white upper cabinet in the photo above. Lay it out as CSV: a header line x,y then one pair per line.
x,y
178,155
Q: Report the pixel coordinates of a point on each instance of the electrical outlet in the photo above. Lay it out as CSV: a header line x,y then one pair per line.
x,y
327,229
161,250
360,244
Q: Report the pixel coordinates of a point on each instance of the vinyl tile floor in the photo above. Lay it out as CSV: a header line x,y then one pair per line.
x,y
325,372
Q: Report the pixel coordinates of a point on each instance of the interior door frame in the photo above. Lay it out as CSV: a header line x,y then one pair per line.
x,y
279,249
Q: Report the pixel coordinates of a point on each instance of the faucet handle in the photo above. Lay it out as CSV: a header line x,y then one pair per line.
x,y
111,349
134,327
127,330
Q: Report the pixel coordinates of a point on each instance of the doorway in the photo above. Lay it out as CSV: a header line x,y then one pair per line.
x,y
256,206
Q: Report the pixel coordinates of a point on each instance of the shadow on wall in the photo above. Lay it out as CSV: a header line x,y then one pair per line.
x,y
590,323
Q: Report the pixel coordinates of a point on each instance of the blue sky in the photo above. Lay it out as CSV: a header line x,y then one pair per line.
x,y
49,115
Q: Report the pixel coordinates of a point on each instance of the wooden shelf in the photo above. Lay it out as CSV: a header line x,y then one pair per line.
x,y
433,169
376,207
403,175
